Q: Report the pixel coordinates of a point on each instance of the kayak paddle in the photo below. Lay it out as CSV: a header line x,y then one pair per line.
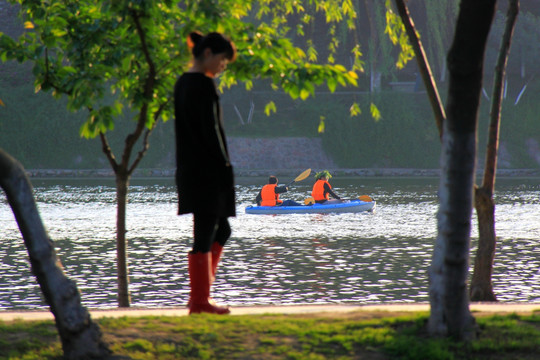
x,y
365,198
300,177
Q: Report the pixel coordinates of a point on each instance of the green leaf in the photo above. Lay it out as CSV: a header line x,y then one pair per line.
x,y
355,110
293,90
269,108
69,69
59,32
117,108
375,114
86,131
321,127
332,84
165,116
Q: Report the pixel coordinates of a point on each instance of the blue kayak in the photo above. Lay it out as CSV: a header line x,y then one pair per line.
x,y
347,206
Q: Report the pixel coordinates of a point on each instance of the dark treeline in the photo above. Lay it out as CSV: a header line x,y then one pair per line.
x,y
41,133
405,136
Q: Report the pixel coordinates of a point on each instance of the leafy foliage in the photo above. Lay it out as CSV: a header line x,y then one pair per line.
x,y
107,55
397,34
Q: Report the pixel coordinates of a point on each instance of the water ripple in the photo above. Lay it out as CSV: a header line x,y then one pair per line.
x,y
272,259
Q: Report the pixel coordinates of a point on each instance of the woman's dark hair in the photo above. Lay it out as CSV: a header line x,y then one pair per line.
x,y
216,42
272,179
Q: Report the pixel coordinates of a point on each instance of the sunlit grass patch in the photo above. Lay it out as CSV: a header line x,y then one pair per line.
x,y
273,337
509,333
20,337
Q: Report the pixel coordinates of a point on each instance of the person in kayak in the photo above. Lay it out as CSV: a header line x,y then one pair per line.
x,y
269,194
322,190
204,174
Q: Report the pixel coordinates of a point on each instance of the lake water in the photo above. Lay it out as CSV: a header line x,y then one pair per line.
x,y
364,258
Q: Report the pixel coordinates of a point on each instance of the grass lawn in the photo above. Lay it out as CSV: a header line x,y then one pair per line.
x,y
357,335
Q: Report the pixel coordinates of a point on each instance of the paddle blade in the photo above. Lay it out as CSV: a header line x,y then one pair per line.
x,y
303,175
365,198
309,201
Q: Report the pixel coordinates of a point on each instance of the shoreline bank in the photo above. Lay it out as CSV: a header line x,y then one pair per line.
x,y
476,308
166,173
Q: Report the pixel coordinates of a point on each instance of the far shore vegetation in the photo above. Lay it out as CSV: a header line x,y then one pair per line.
x,y
42,134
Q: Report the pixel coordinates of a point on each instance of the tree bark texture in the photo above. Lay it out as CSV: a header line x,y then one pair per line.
x,y
81,338
481,284
449,301
122,183
450,315
481,288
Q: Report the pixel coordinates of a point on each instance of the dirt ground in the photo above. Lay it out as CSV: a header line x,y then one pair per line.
x,y
360,311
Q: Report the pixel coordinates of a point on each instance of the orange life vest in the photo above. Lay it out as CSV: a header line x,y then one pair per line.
x,y
318,190
269,196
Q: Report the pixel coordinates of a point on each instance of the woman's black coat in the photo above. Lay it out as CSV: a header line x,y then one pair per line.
x,y
204,174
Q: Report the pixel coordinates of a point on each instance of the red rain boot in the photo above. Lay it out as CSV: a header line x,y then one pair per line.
x,y
200,279
216,251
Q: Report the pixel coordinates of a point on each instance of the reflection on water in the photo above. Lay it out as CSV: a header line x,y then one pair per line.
x,y
270,259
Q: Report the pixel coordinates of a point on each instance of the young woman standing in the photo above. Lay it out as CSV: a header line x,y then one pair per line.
x,y
204,175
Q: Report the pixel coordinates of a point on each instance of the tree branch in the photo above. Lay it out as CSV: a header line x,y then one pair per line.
x,y
488,182
423,64
144,45
146,142
145,147
108,151
147,95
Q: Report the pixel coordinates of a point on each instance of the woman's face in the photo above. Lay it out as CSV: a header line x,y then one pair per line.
x,y
214,63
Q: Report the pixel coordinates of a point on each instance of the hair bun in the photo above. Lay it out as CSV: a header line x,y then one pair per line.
x,y
194,37
216,42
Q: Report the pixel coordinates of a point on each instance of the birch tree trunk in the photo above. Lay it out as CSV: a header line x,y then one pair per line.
x,y
81,338
481,283
449,302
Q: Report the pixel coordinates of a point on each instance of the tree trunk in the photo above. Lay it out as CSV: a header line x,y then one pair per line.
x,y
481,284
122,184
375,74
375,81
81,338
450,314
